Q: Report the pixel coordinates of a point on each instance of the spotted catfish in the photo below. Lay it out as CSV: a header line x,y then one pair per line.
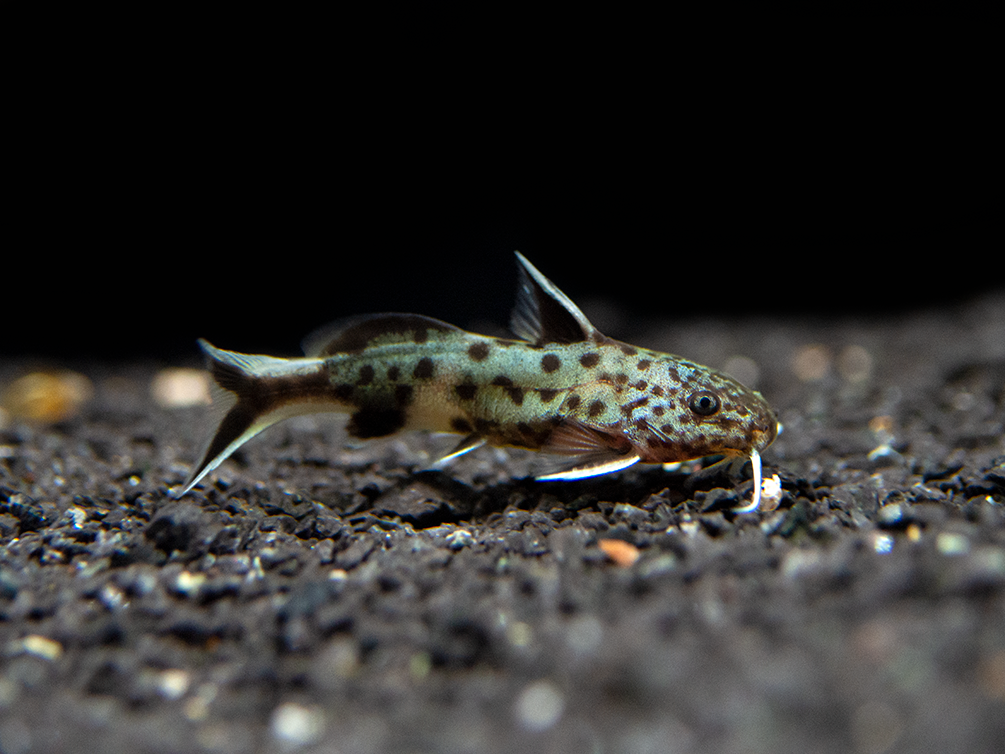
x,y
560,387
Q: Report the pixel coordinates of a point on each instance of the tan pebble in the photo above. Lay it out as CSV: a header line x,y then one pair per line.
x,y
622,553
46,397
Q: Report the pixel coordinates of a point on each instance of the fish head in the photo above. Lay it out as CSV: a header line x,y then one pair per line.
x,y
692,411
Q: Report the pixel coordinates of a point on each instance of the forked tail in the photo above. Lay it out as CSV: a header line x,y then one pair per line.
x,y
251,393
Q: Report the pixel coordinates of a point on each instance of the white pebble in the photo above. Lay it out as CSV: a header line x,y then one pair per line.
x,y
539,706
296,725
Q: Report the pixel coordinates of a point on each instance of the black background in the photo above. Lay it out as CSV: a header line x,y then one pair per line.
x,y
249,194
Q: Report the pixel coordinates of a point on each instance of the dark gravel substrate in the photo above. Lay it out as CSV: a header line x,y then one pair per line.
x,y
321,596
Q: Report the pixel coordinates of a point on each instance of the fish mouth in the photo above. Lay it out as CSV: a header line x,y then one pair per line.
x,y
766,433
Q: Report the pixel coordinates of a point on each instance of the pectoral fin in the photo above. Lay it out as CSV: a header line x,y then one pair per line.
x,y
595,452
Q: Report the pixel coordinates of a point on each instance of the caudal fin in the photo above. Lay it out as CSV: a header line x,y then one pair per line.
x,y
251,393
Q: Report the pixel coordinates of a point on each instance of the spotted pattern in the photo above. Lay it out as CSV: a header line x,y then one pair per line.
x,y
460,424
478,351
485,426
375,421
366,373
393,371
550,363
638,403
423,369
466,391
515,392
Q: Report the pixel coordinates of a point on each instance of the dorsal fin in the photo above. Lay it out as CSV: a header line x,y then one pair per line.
x,y
356,333
543,314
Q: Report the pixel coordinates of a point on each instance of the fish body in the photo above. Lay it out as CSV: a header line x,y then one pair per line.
x,y
560,387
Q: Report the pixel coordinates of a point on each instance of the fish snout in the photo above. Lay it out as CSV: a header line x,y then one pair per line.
x,y
766,431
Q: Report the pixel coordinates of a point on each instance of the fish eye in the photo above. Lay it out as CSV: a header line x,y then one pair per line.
x,y
704,403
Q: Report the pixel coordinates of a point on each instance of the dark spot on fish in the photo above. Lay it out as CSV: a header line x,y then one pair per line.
x,y
515,395
393,373
421,335
343,391
357,336
466,391
590,359
628,350
460,424
403,394
373,421
641,385
365,375
523,428
423,369
642,423
673,373
547,394
658,410
478,351
628,408
621,379
573,402
657,390
550,362
501,380
596,408
668,428
485,426
644,364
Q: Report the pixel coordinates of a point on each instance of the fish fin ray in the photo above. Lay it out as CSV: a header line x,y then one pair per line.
x,y
590,465
543,314
594,452
572,437
466,445
236,377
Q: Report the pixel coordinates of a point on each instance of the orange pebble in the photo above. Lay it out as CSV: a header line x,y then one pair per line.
x,y
621,552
